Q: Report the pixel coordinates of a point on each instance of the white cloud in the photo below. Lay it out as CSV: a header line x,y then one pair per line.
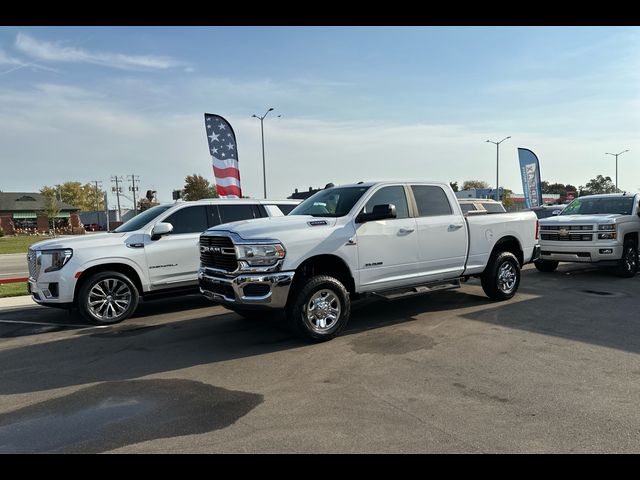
x,y
8,60
51,133
57,52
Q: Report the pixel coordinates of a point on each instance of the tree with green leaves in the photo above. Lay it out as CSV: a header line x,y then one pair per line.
x,y
469,184
598,185
507,201
197,187
85,197
52,210
454,186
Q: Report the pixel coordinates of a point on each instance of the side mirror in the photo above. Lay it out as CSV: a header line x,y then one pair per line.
x,y
380,212
556,212
160,229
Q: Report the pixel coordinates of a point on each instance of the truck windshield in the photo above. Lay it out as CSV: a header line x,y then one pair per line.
x,y
140,220
332,202
594,206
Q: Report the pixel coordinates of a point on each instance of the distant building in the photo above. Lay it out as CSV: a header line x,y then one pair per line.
x,y
479,193
547,199
26,211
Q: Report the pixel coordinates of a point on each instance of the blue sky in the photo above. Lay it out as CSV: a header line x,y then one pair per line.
x,y
357,103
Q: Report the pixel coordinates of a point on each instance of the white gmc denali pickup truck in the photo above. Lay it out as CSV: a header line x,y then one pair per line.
x,y
156,252
600,229
392,239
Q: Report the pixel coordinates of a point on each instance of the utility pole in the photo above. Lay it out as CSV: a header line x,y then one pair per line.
x,y
133,188
96,182
106,208
264,168
616,155
118,190
497,144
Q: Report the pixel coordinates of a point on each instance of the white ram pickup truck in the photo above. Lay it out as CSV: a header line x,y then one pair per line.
x,y
392,239
599,229
156,252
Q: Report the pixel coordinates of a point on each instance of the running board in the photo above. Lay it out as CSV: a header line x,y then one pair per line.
x,y
418,289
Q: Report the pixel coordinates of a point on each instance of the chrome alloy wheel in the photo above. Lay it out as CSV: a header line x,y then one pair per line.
x,y
630,260
109,299
507,277
322,311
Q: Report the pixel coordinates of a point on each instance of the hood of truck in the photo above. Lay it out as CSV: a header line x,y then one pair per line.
x,y
580,219
96,240
279,228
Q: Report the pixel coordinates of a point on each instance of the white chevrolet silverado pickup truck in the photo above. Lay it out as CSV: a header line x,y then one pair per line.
x,y
156,252
392,239
599,229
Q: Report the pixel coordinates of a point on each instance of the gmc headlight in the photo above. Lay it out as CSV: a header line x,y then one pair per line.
x,y
609,227
54,260
260,255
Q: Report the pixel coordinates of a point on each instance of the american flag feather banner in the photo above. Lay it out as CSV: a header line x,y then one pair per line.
x,y
224,153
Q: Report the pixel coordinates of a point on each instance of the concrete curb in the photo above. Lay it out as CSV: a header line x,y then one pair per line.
x,y
17,302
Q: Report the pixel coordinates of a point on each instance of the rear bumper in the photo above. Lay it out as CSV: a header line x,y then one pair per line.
x,y
536,253
251,290
581,253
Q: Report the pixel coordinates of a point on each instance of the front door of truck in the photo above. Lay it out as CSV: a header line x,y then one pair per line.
x,y
387,249
174,258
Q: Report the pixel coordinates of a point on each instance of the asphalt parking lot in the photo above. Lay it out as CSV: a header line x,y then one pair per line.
x,y
555,369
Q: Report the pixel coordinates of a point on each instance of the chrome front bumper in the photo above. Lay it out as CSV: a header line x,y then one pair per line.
x,y
233,290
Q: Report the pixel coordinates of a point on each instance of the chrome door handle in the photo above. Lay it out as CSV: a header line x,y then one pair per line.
x,y
406,230
455,226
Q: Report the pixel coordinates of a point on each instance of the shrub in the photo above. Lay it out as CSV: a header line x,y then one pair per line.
x,y
1,232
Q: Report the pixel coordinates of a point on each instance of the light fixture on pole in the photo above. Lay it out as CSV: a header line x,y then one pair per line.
x,y
264,170
497,144
616,155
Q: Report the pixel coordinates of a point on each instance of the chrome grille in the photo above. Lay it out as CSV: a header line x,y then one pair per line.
x,y
572,237
218,251
566,227
32,262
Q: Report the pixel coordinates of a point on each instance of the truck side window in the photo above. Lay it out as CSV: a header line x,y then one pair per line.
x,y
431,201
233,213
390,195
189,220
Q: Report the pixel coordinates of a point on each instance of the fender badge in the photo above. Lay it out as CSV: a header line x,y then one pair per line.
x,y
314,223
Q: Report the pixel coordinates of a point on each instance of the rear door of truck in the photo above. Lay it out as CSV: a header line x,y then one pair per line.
x,y
442,232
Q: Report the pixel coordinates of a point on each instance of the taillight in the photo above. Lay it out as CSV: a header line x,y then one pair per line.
x,y
537,230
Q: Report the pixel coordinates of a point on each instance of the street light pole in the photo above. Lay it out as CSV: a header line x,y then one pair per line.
x,y
497,144
264,168
616,155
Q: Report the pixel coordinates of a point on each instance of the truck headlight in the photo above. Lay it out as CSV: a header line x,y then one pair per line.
x,y
608,227
260,255
607,236
55,259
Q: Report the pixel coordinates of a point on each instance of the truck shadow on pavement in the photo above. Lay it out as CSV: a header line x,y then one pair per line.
x,y
135,348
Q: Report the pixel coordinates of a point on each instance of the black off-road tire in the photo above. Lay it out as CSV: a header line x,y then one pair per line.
x,y
628,266
296,313
546,266
491,283
113,278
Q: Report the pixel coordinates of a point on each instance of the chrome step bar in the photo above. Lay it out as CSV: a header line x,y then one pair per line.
x,y
421,289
